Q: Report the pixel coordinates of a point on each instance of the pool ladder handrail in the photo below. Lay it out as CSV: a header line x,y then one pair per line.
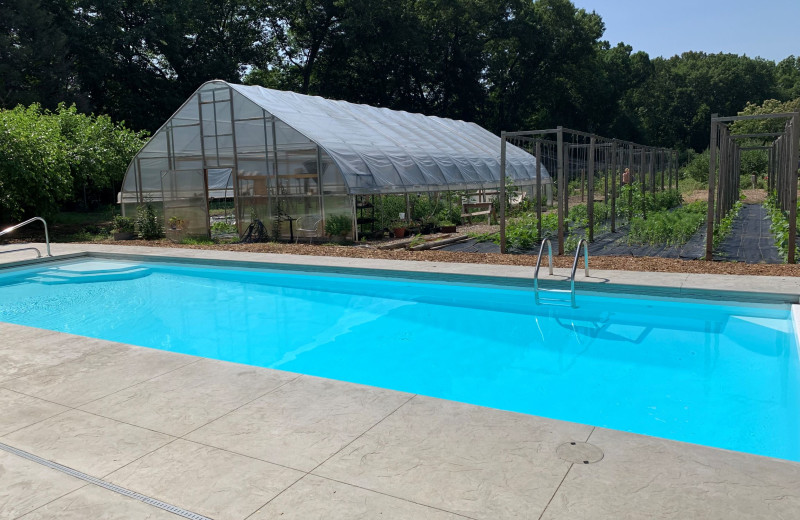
x,y
581,242
46,236
539,263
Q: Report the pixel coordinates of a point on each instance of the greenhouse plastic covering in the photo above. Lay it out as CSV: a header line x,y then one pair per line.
x,y
382,151
220,182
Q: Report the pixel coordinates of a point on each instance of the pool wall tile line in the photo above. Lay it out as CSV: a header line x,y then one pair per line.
x,y
560,279
595,283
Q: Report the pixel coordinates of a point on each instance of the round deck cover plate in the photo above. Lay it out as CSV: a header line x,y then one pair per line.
x,y
580,452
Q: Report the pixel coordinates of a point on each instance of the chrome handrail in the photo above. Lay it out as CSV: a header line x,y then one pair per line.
x,y
539,263
46,235
581,242
38,253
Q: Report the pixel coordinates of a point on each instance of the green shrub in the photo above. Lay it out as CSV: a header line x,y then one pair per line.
x,y
338,225
450,214
387,208
147,222
122,224
697,167
35,172
48,158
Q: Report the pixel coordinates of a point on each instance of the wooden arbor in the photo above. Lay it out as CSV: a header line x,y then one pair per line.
x,y
724,170
572,155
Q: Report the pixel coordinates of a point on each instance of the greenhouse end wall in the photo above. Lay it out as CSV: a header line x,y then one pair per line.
x,y
278,175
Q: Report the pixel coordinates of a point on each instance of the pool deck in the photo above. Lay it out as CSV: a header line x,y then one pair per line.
x,y
229,441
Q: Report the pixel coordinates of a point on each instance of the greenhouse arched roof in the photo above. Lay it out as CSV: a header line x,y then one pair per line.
x,y
382,150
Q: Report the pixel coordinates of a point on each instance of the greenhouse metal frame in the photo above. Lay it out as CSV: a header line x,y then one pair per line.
x,y
281,156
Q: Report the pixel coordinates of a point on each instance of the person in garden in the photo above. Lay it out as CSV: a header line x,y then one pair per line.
x,y
626,176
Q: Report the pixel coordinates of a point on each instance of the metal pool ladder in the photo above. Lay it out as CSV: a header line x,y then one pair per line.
x,y
46,236
539,263
581,242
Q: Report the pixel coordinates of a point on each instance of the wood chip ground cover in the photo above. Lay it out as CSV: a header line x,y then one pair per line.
x,y
621,263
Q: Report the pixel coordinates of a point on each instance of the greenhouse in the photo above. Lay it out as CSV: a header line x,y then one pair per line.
x,y
293,161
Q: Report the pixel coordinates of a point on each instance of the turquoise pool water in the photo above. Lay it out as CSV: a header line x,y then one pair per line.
x,y
719,375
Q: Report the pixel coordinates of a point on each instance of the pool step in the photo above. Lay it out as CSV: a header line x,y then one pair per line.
x,y
58,276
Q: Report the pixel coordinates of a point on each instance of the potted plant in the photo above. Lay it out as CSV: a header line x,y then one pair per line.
x,y
338,226
428,225
445,226
399,229
176,228
176,222
123,228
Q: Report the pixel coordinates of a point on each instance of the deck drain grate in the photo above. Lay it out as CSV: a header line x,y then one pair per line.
x,y
103,484
580,452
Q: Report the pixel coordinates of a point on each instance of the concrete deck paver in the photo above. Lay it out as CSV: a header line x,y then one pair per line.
x,y
206,480
315,498
98,374
26,485
648,477
182,400
85,442
478,462
22,333
302,423
95,503
19,410
24,352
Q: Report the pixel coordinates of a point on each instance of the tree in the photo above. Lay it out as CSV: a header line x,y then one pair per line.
x,y
34,172
676,103
48,158
756,126
34,63
543,64
298,32
98,151
138,60
788,78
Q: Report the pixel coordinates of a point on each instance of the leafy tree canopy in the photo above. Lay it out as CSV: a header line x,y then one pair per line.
x,y
48,158
505,64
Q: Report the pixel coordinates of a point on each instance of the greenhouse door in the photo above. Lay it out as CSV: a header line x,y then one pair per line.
x,y
219,142
185,196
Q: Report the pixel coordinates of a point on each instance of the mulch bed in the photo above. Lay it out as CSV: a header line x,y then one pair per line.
x,y
622,263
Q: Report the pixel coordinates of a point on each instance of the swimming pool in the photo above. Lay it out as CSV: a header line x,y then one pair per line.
x,y
718,374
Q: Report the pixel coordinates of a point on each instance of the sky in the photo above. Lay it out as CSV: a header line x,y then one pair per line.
x,y
767,28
